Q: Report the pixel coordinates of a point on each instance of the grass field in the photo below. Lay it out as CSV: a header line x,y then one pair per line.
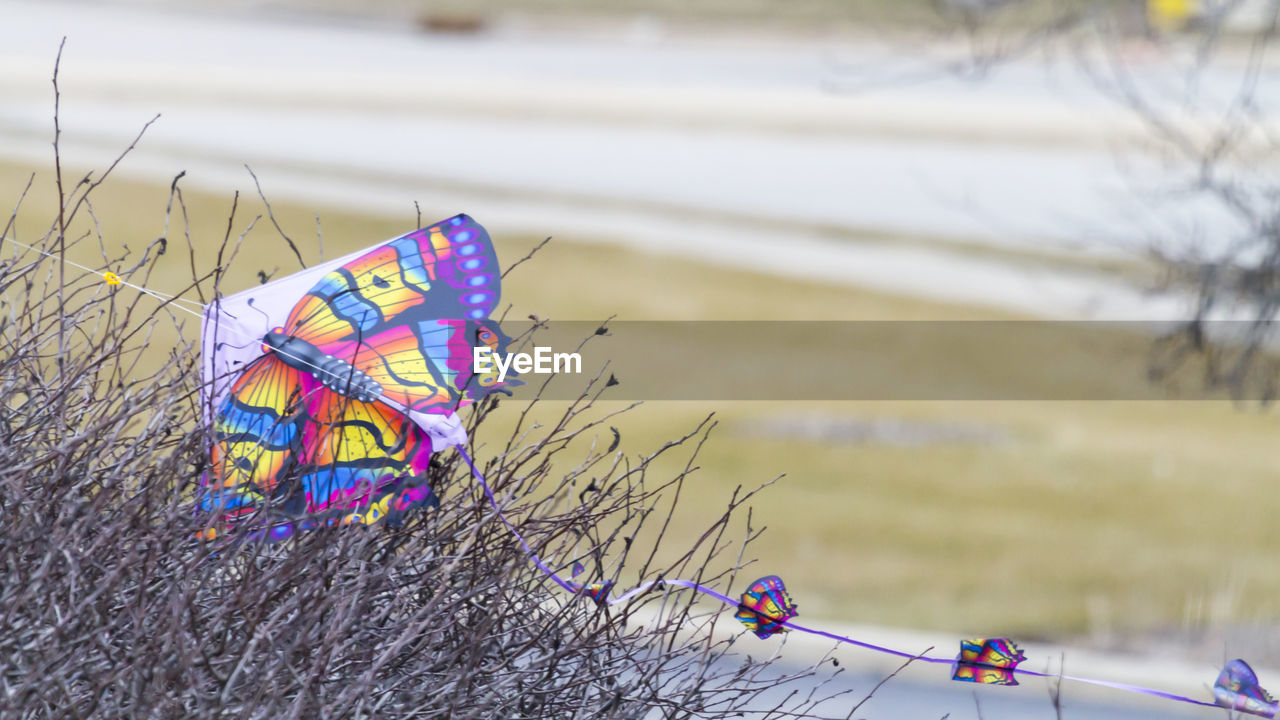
x,y
1061,519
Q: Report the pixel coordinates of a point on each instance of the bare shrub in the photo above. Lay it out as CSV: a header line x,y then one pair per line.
x,y
111,608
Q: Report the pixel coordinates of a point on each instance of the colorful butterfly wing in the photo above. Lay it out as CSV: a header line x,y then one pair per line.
x,y
257,435
362,459
596,591
426,365
410,313
996,652
1237,688
990,661
752,621
765,606
1236,676
448,270
351,461
983,675
771,598
599,591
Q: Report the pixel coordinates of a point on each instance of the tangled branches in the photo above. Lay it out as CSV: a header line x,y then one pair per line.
x,y
112,608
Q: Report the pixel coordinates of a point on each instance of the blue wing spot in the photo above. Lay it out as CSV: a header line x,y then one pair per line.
x,y
261,424
225,499
463,236
476,314
409,253
478,280
320,486
330,285
353,308
472,264
475,298
456,221
468,249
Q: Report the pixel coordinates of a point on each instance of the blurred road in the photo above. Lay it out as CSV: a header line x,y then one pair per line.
x,y
718,151
715,150
912,697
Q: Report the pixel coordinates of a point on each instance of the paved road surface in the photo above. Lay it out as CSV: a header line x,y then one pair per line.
x,y
915,698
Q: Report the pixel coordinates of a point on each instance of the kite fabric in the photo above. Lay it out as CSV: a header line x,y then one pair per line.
x,y
596,591
1237,688
987,661
765,606
331,388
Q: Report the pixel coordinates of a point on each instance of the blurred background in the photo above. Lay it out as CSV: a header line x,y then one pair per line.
x,y
810,160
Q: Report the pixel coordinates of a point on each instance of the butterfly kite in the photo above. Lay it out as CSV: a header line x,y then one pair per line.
x,y
1237,688
332,387
987,661
596,591
765,606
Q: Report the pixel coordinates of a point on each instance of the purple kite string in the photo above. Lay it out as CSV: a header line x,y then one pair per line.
x,y
1123,686
572,587
869,646
494,502
645,587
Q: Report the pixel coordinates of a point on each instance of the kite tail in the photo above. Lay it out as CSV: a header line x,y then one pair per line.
x,y
604,599
569,585
494,502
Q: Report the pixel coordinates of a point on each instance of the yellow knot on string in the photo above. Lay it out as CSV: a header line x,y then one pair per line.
x,y
111,278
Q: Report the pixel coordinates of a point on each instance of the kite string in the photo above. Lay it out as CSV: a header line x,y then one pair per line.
x,y
645,587
114,279
494,502
172,300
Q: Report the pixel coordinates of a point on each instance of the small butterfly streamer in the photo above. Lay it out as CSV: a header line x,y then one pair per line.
x,y
765,606
987,661
1237,688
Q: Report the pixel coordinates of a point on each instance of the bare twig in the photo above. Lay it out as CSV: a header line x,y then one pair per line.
x,y
528,256
272,215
